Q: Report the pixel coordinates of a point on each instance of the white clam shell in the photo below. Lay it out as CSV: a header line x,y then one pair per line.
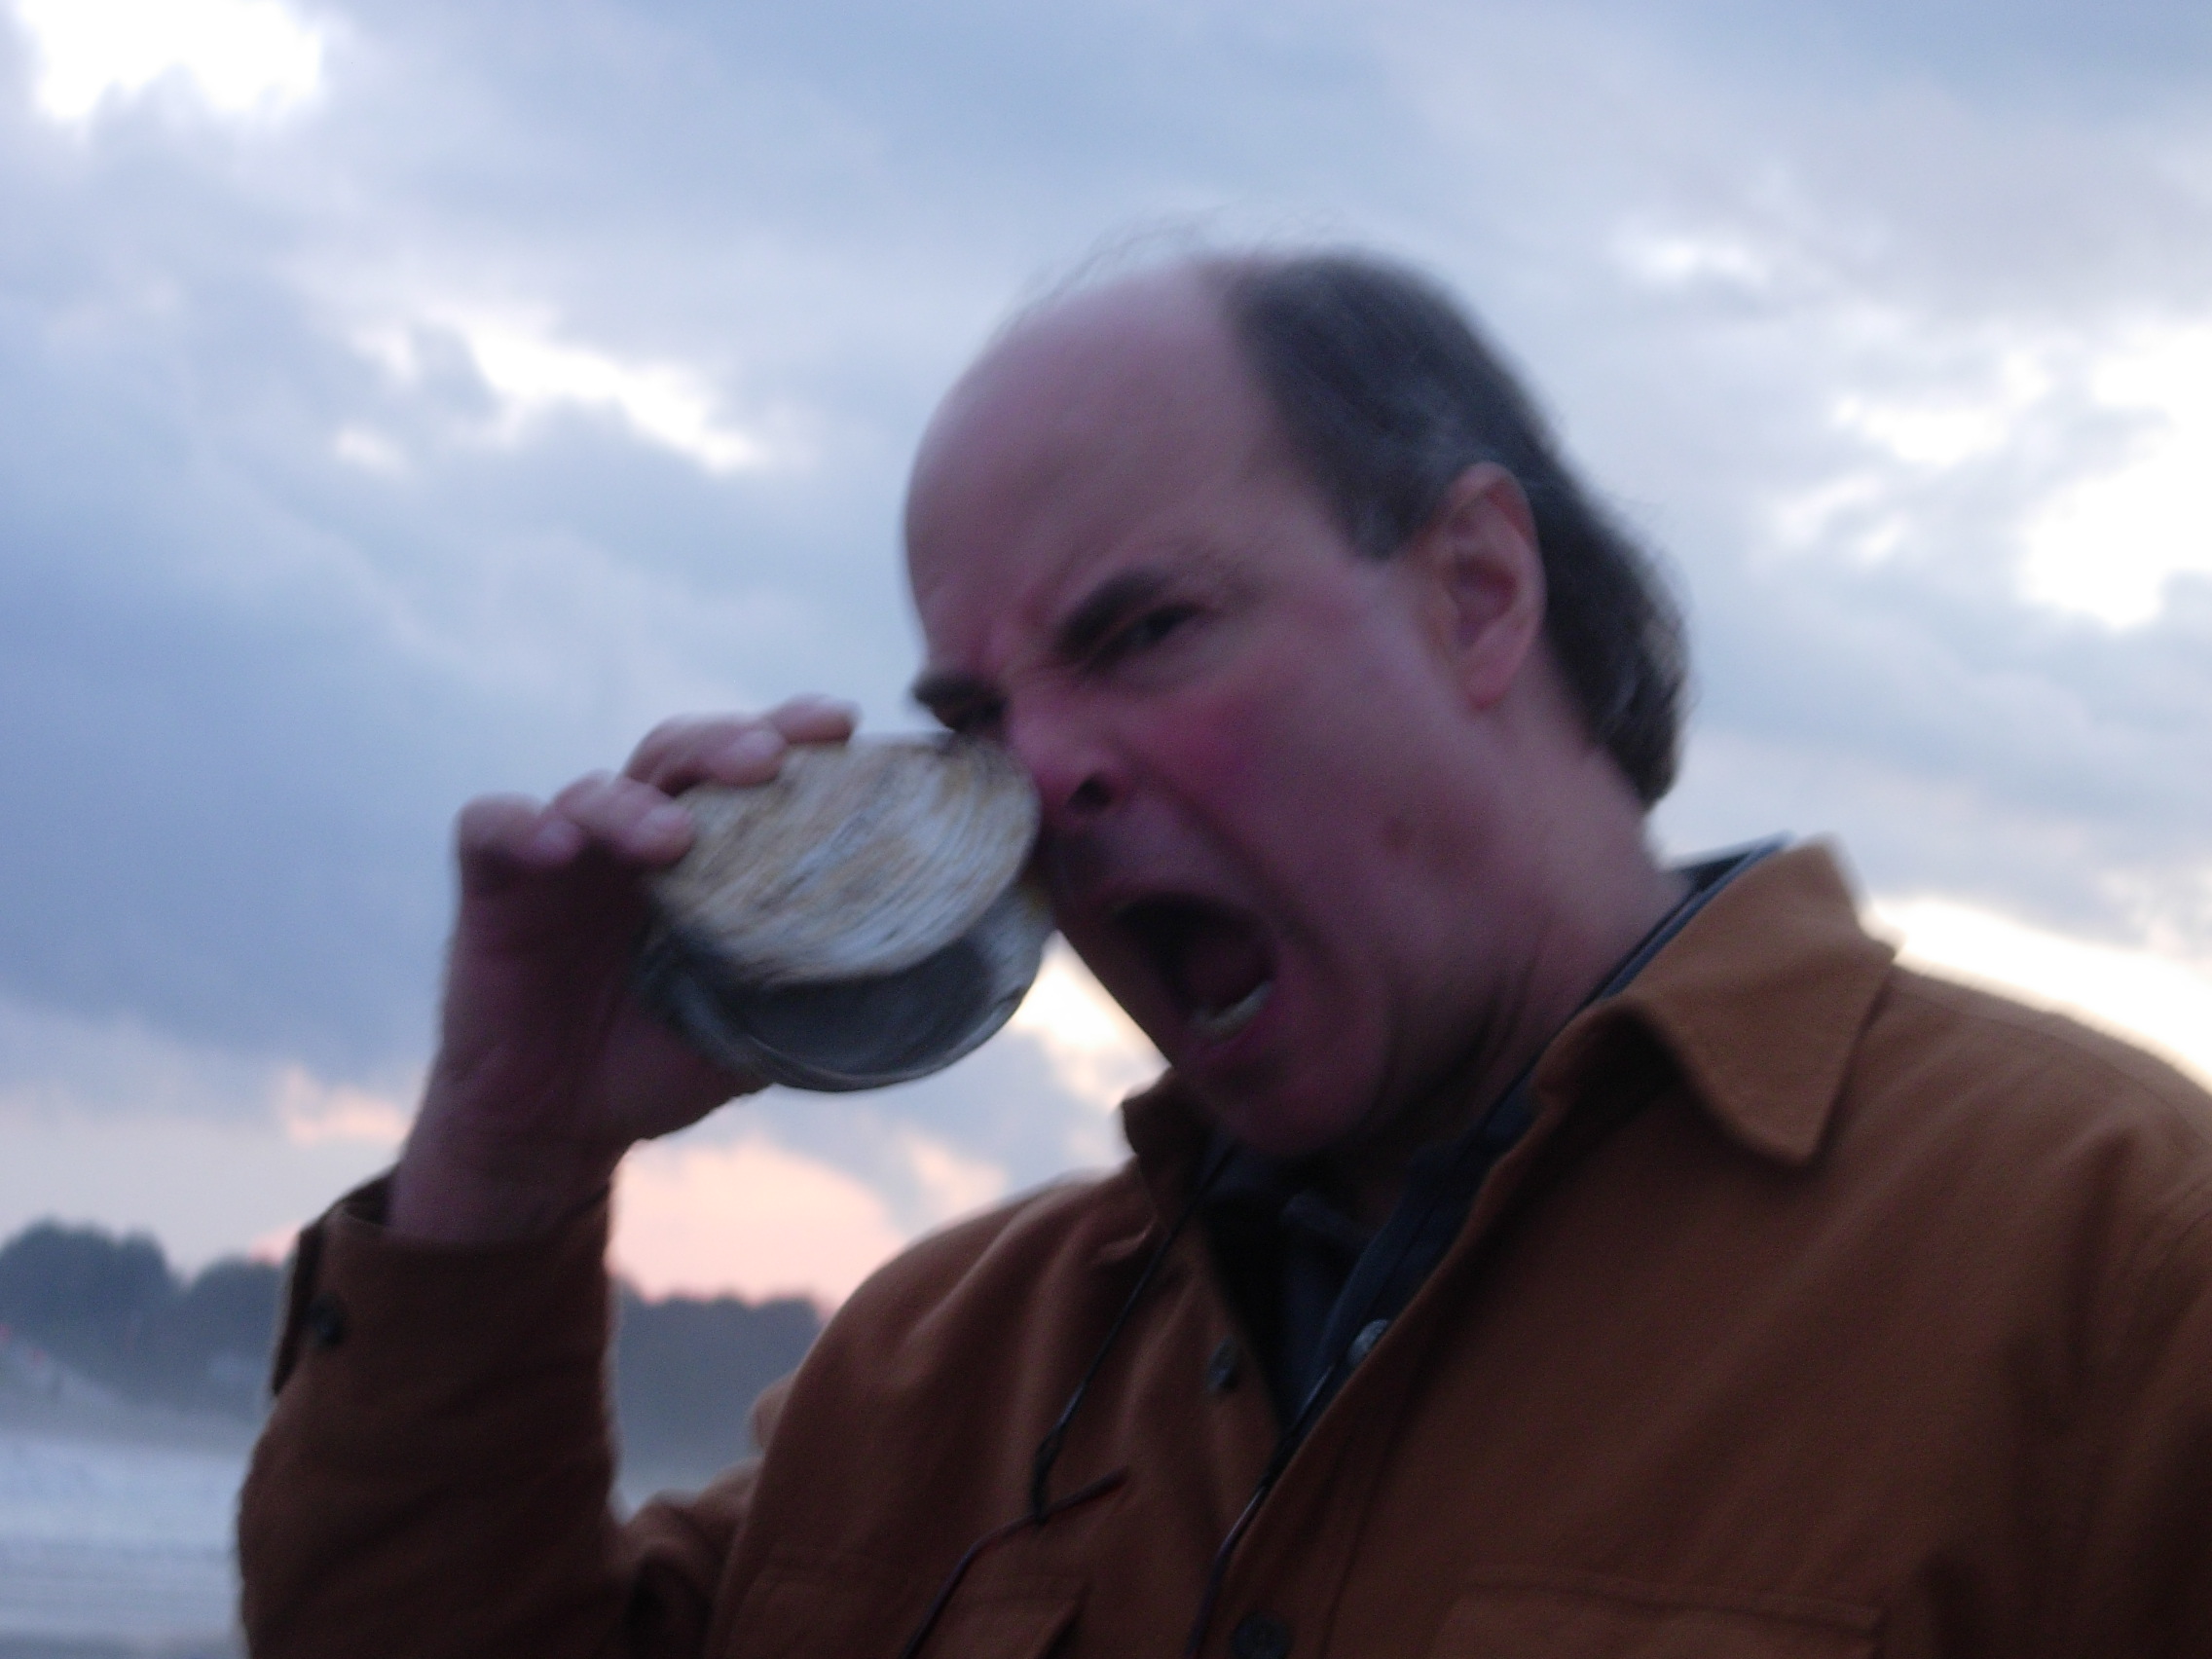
x,y
856,858
859,920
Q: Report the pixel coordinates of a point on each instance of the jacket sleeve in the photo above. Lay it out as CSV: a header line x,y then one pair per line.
x,y
435,1474
2143,1557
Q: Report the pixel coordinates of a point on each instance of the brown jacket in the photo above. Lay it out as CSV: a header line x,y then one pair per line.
x,y
1884,1327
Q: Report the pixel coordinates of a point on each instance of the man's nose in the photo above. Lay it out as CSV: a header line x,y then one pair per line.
x,y
1078,776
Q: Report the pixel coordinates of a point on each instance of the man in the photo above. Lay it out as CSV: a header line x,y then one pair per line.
x,y
1531,1250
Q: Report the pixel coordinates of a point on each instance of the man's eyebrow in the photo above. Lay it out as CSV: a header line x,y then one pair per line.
x,y
1090,623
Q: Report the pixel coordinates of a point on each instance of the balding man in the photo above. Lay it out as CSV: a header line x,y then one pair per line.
x,y
1531,1249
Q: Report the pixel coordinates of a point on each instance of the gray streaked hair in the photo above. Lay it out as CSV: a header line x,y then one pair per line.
x,y
1387,393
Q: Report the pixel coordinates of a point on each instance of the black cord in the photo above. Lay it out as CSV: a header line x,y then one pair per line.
x,y
1042,1507
996,1535
1049,1449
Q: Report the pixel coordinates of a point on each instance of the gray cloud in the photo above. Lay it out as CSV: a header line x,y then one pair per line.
x,y
249,678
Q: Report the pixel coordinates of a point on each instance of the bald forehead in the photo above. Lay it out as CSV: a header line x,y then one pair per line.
x,y
1160,337
1100,440
1180,303
1089,396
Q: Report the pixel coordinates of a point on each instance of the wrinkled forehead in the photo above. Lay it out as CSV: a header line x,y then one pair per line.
x,y
1087,428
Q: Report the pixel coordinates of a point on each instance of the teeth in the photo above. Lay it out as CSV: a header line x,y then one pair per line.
x,y
1228,1021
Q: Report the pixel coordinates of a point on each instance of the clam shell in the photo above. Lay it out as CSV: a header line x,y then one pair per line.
x,y
859,920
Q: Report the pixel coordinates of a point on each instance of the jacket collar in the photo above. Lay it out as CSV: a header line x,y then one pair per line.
x,y
1759,1003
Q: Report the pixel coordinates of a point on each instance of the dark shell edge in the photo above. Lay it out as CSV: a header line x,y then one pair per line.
x,y
831,1038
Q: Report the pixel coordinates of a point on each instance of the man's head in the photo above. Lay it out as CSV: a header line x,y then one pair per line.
x,y
1388,394
1313,783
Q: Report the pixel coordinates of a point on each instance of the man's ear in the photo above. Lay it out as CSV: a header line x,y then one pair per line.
x,y
1479,559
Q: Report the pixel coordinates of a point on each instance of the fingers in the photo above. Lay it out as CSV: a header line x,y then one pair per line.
x,y
725,749
631,815
500,837
814,719
503,838
633,820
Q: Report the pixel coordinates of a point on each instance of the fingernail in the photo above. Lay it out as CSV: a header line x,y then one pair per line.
x,y
555,838
750,747
667,820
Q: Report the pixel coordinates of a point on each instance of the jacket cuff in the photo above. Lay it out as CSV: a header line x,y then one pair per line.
x,y
378,1327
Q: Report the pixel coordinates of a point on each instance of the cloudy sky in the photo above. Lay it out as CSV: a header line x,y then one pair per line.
x,y
399,402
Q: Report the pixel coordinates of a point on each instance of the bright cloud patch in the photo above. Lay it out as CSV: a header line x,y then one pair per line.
x,y
952,1185
110,1123
747,1217
1095,1048
2107,546
1685,259
533,373
1938,433
371,452
2146,998
1934,397
313,1111
240,56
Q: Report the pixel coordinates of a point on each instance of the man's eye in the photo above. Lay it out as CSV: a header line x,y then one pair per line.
x,y
1149,630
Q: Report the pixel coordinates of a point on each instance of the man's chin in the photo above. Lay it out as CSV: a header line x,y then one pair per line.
x,y
1276,1128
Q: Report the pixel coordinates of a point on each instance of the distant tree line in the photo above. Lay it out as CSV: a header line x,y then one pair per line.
x,y
114,1310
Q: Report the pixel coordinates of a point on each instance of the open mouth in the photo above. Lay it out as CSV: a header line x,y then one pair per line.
x,y
1215,962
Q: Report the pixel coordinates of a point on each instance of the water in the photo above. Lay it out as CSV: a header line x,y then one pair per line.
x,y
116,1534
112,1548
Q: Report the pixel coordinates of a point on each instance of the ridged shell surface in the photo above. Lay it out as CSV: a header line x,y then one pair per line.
x,y
856,861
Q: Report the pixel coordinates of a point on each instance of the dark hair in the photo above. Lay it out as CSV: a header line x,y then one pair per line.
x,y
1387,394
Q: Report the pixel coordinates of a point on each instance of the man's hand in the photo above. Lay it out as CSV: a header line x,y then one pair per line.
x,y
548,1070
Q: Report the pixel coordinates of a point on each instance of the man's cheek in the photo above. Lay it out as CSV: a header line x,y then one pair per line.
x,y
1217,744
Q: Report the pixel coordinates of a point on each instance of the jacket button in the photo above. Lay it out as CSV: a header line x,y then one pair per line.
x,y
1363,1345
1221,1368
323,1321
1260,1635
